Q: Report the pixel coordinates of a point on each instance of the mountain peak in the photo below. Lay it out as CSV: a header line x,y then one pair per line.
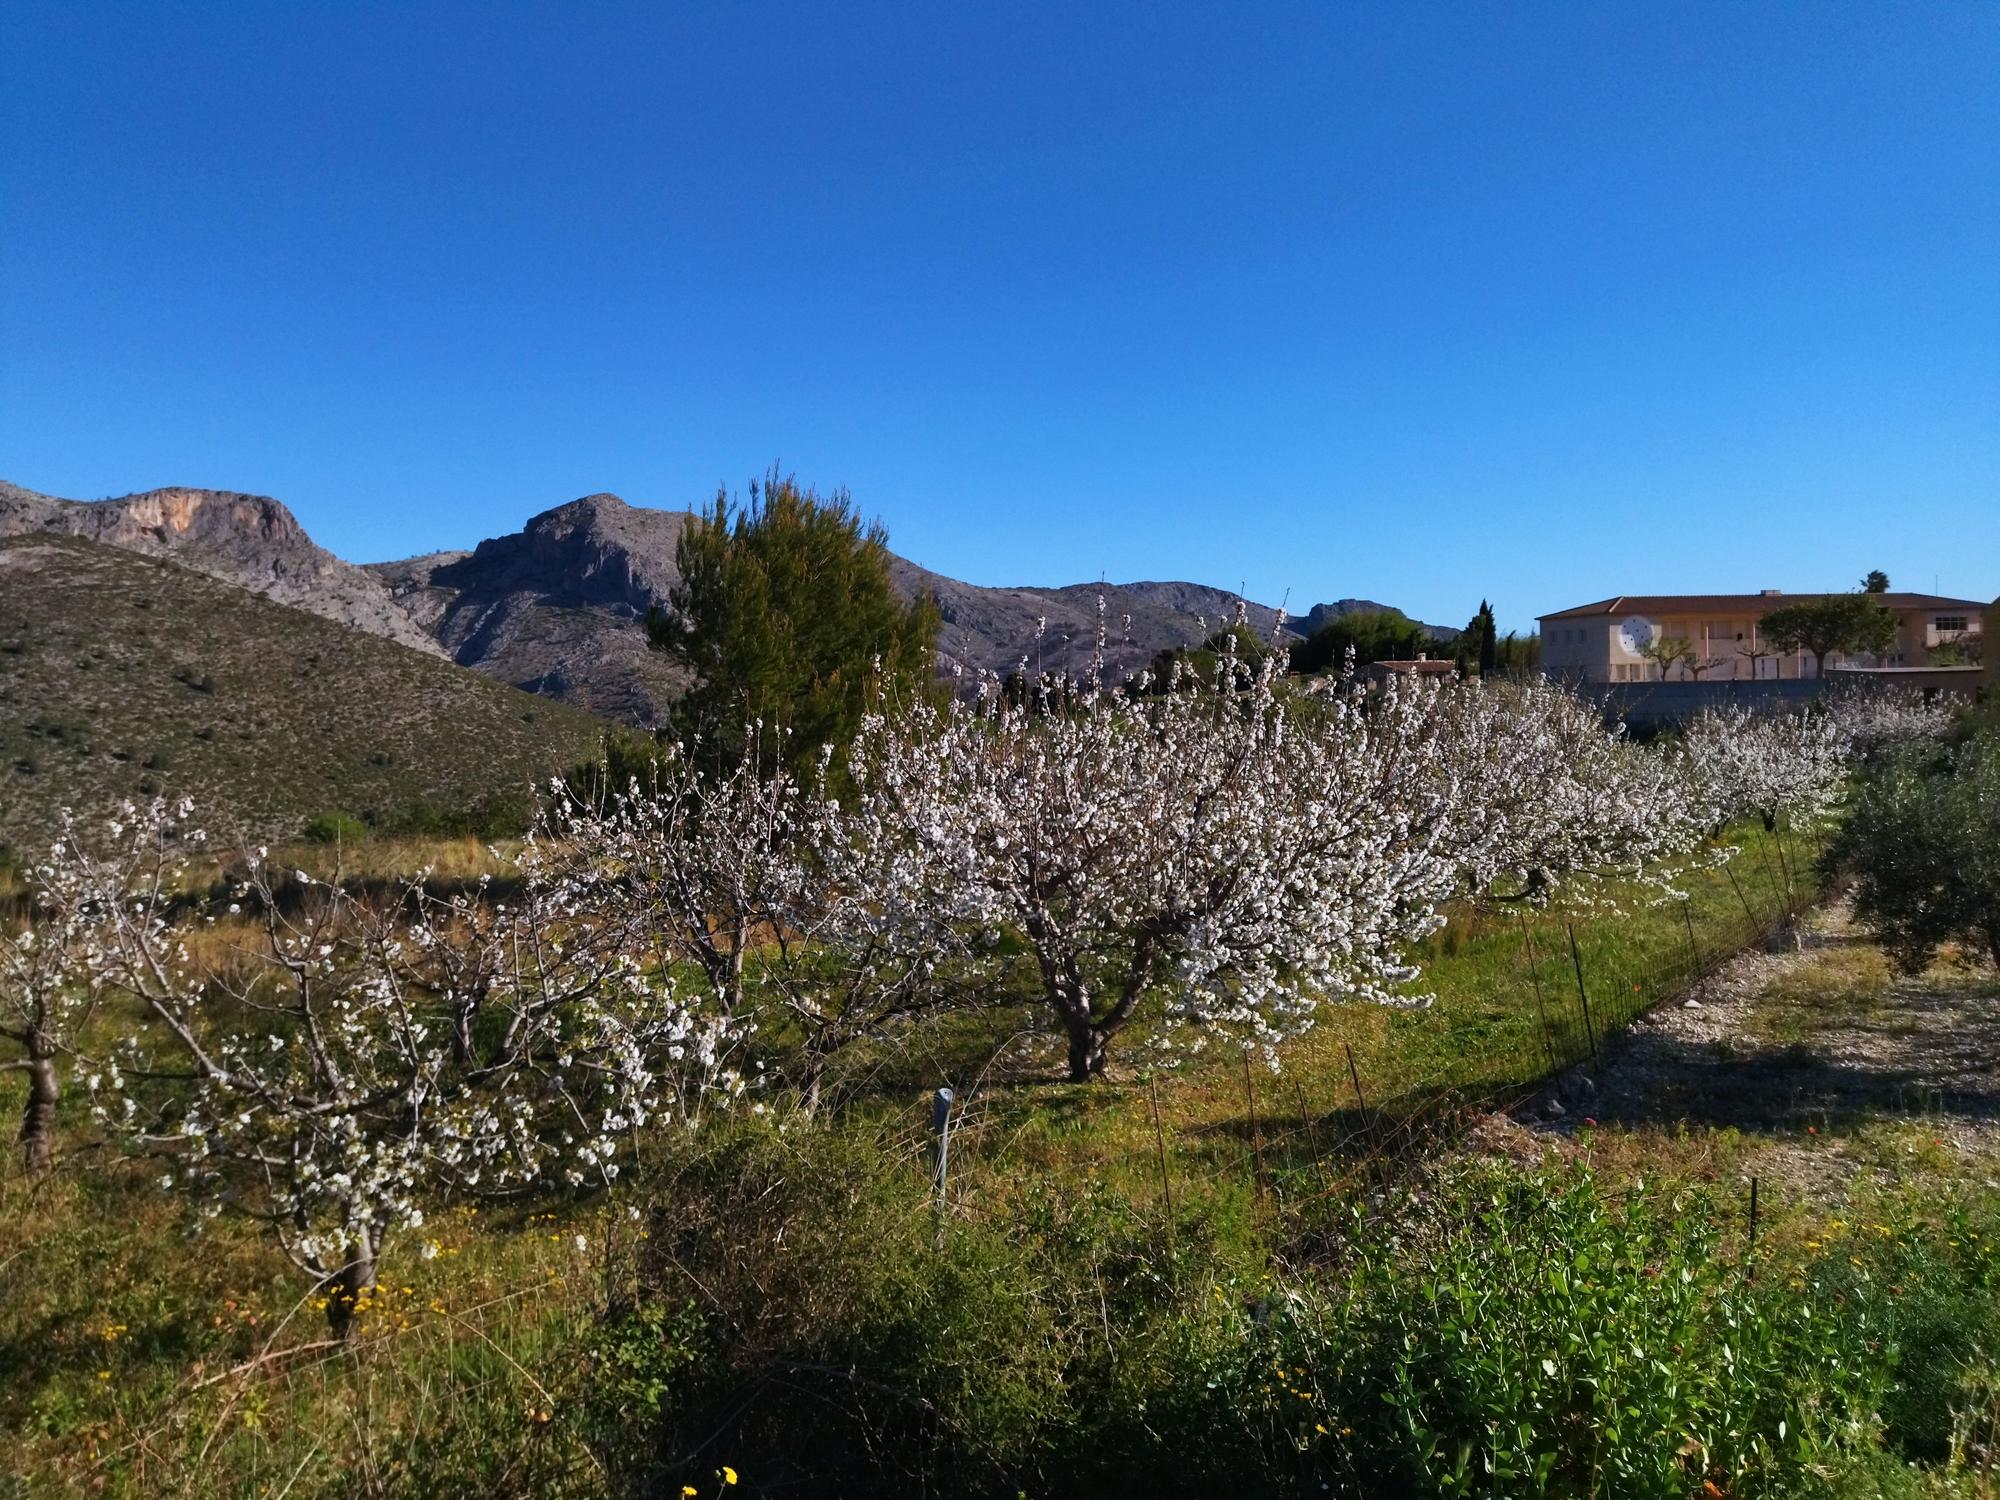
x,y
599,508
250,540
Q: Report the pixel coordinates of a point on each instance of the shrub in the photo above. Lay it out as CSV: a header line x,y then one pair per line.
x,y
1923,845
495,815
1529,1336
858,1346
1495,1332
335,828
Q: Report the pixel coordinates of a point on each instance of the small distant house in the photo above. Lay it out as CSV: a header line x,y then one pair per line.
x,y
1422,666
1608,641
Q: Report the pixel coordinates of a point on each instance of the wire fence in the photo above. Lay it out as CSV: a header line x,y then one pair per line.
x,y
1538,1003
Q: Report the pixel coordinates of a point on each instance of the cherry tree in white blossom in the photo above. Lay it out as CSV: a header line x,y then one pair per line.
x,y
770,888
51,975
1877,721
1549,800
1206,848
1784,769
337,1074
697,864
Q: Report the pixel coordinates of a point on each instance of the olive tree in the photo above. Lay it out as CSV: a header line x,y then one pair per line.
x,y
1922,842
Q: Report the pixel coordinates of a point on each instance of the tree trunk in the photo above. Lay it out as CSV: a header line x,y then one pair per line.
x,y
38,1117
1089,1051
741,943
349,1285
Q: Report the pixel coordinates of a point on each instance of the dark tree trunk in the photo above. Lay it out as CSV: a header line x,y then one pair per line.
x,y
350,1284
38,1117
1089,1051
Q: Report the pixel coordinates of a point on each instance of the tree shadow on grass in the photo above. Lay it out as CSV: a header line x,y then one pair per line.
x,y
1931,1047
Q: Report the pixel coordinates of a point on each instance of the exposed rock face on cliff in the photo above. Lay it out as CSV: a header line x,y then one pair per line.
x,y
251,540
557,607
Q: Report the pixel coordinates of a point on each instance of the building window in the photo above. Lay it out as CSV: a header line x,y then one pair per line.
x,y
1952,622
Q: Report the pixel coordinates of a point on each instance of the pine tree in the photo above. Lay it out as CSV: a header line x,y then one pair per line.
x,y
786,615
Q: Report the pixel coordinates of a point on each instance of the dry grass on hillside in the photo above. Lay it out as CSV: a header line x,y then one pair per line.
x,y
123,676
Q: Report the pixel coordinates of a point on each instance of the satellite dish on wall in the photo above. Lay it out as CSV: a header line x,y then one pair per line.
x,y
1636,634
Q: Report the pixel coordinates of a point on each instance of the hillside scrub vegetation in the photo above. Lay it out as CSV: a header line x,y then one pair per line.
x,y
125,678
645,1102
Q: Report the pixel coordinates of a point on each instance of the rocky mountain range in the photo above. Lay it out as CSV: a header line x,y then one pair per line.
x,y
249,540
558,607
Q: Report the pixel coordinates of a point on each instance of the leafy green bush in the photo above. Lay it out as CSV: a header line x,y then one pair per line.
x,y
496,815
859,1344
335,828
1497,1333
1527,1336
1923,845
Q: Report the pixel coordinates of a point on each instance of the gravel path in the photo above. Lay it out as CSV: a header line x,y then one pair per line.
x,y
1806,1049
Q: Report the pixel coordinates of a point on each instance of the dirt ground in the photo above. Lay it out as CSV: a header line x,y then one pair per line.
x,y
1821,1065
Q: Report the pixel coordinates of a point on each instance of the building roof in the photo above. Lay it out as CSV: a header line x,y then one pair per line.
x,y
1738,604
1428,666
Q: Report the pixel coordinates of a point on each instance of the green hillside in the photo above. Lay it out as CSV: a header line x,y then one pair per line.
x,y
122,676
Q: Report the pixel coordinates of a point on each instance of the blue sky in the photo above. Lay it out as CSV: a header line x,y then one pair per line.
x,y
1425,303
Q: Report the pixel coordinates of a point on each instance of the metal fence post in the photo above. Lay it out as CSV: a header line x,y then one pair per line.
x,y
941,1129
1582,994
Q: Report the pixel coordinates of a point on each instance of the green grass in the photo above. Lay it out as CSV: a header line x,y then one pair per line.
x,y
1102,1306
